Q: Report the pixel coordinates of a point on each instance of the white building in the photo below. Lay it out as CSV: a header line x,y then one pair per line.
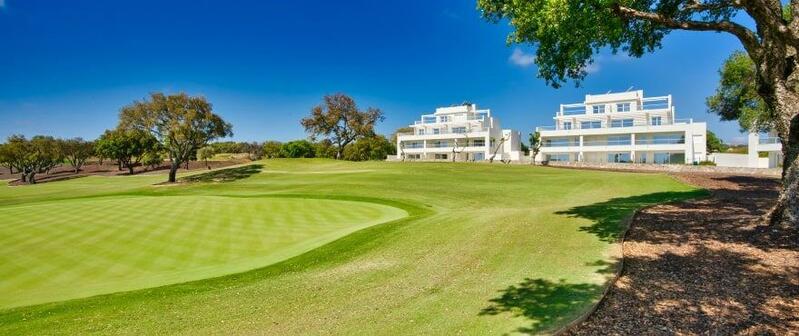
x,y
764,151
623,127
462,131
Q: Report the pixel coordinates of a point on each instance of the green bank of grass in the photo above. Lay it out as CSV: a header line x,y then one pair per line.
x,y
484,249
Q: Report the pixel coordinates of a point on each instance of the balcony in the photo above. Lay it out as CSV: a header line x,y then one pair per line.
x,y
605,125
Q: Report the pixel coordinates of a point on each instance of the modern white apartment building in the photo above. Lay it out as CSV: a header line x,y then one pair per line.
x,y
462,131
623,127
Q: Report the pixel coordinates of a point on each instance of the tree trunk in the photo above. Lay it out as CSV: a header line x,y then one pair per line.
x,y
130,169
173,170
32,177
23,176
786,104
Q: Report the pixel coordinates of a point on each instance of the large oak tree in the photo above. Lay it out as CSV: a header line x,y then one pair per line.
x,y
569,33
183,124
340,121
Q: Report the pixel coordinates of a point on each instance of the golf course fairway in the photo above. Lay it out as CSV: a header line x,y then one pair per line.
x,y
312,246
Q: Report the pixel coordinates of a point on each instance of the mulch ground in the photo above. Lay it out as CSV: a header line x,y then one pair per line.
x,y
705,267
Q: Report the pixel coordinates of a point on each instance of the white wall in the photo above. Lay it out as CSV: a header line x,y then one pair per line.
x,y
737,160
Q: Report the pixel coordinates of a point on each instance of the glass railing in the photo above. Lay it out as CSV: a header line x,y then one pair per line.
x,y
769,141
663,141
610,142
561,144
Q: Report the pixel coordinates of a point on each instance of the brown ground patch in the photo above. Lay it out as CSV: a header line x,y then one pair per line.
x,y
65,172
706,266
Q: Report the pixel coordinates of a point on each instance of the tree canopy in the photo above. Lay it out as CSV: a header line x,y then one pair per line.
x,y
128,147
736,96
339,120
181,123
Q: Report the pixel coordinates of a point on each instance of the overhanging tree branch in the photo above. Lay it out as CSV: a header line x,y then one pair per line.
x,y
746,36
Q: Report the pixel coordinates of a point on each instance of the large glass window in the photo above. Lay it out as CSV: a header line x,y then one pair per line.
x,y
591,124
443,118
557,157
567,125
618,140
598,109
420,131
621,123
623,107
479,143
560,142
459,130
670,158
428,120
436,131
619,157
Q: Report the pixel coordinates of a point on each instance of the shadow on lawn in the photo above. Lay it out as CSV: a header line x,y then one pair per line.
x,y
545,303
225,175
607,216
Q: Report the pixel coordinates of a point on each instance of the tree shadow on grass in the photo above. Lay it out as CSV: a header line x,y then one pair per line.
x,y
225,175
546,304
608,216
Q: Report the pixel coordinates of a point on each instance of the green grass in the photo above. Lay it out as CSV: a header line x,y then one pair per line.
x,y
470,248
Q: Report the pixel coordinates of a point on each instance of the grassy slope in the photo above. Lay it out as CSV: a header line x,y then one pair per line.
x,y
487,249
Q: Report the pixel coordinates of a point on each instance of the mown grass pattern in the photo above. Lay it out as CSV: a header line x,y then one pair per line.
x,y
104,245
474,235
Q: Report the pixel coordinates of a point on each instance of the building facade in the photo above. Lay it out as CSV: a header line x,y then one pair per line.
x,y
459,133
623,127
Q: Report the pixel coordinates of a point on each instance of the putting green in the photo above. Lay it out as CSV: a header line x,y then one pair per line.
x,y
61,250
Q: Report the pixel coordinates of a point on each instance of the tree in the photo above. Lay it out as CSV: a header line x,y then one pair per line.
x,y
182,124
339,120
76,151
535,145
271,149
714,144
206,153
496,148
370,148
31,157
152,159
325,149
297,149
736,97
126,146
567,34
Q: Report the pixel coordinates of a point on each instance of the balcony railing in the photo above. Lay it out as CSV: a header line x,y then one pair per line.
x,y
609,142
662,141
604,124
561,144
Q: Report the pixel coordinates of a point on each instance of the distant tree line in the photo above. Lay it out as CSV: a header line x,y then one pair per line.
x,y
180,128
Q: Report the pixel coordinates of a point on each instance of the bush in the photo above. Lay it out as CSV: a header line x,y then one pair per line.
x,y
707,163
371,148
271,149
297,149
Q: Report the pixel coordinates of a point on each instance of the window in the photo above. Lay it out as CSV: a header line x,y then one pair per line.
x,y
479,156
439,144
598,109
657,121
567,125
670,158
459,130
621,123
557,157
619,157
420,131
443,118
441,156
591,124
428,120
414,156
623,107
479,143
640,157
414,145
618,140
436,131
560,142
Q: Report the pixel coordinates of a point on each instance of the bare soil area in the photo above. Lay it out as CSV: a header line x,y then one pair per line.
x,y
707,266
65,172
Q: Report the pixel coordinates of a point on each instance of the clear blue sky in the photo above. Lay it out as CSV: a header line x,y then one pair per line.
x,y
66,67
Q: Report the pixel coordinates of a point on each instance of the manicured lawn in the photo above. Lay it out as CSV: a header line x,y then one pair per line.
x,y
472,248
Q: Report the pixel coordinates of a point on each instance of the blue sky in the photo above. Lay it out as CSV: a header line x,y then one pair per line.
x,y
66,67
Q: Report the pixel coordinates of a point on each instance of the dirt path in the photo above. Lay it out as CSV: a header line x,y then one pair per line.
x,y
705,267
